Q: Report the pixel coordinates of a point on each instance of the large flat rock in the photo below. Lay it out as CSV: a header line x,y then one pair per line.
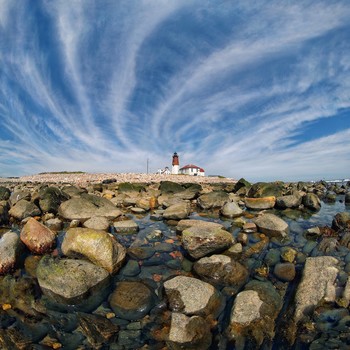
x,y
318,282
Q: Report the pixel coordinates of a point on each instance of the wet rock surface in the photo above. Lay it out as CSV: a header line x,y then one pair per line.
x,y
10,248
131,300
200,241
37,237
99,247
224,277
69,280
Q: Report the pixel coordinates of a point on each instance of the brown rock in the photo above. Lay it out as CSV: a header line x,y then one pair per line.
x,y
38,238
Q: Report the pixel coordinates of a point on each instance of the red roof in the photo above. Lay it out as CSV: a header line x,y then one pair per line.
x,y
192,166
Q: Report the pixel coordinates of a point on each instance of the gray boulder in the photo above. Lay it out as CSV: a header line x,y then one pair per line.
x,y
215,199
246,308
271,225
87,206
177,211
18,195
23,208
231,210
189,332
99,247
312,202
70,281
126,227
73,191
220,269
10,249
317,283
289,201
187,223
201,241
97,223
254,313
192,296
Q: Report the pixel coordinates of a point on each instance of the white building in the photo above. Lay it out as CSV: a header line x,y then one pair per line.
x,y
191,169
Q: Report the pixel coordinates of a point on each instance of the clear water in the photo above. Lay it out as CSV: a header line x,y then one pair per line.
x,y
162,265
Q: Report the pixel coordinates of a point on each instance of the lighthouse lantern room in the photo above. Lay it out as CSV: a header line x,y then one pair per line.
x,y
175,163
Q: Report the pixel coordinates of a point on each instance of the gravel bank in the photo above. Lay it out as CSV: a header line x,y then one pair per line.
x,y
86,178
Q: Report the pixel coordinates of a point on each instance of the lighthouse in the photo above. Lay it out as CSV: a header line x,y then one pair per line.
x,y
175,163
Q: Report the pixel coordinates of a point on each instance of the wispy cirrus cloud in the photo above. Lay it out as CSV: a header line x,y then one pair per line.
x,y
255,90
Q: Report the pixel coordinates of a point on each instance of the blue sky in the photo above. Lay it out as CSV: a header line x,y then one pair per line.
x,y
259,89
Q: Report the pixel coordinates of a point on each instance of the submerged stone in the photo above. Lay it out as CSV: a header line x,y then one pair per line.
x,y
131,300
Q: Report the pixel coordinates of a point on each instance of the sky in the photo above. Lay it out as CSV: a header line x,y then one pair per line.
x,y
253,89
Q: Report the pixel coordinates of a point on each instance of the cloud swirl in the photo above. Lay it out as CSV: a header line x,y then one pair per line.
x,y
259,90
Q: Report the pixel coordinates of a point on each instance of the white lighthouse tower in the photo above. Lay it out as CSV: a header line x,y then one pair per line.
x,y
175,163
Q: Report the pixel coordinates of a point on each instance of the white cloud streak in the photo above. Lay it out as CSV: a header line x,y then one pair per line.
x,y
235,108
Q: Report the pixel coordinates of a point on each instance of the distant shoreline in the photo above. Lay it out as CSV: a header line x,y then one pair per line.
x,y
86,178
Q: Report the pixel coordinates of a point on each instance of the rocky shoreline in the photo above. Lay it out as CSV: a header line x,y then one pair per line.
x,y
84,179
122,261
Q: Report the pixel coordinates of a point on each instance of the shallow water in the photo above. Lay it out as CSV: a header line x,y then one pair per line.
x,y
166,259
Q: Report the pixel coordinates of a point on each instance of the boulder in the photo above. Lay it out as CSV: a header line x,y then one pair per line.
x,y
99,247
177,211
131,300
130,187
170,187
220,269
189,332
317,283
253,315
271,225
3,213
97,329
16,196
38,238
4,193
266,189
97,223
126,227
341,221
330,197
241,183
87,206
285,271
246,307
50,199
312,202
347,198
231,210
289,201
187,223
192,296
70,280
22,209
73,191
201,241
54,224
10,249
260,203
211,200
